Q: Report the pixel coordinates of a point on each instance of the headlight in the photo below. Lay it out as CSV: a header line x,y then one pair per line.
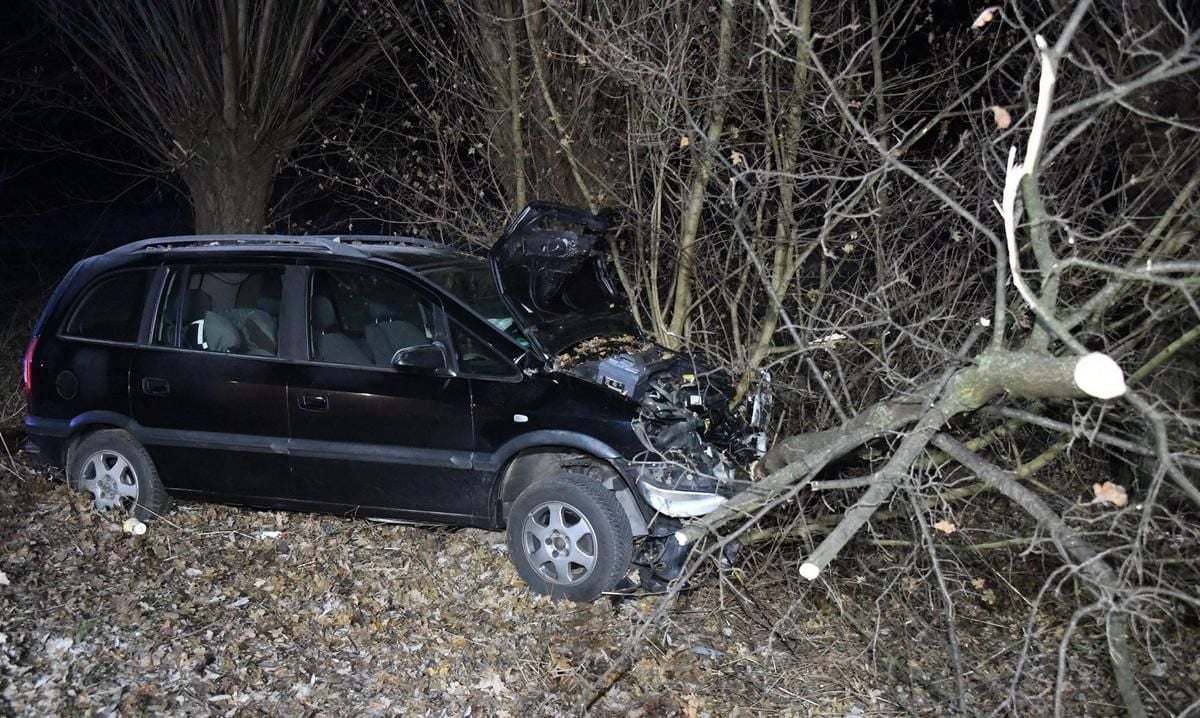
x,y
680,504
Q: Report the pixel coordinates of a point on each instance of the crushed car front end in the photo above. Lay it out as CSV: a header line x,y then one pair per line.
x,y
689,450
693,450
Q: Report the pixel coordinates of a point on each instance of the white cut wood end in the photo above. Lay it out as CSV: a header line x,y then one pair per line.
x,y
1098,375
810,571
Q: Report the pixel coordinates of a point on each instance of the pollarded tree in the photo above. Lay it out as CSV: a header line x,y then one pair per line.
x,y
219,92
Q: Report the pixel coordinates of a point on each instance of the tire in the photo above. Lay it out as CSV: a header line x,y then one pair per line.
x,y
569,538
116,470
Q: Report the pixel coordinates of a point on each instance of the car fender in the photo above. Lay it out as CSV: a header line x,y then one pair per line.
x,y
570,440
546,438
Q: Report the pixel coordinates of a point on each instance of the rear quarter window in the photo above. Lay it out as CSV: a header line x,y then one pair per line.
x,y
111,309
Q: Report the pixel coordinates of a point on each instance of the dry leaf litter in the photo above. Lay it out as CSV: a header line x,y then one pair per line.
x,y
218,610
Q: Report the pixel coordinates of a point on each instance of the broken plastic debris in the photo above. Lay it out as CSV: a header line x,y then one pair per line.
x,y
133,526
264,535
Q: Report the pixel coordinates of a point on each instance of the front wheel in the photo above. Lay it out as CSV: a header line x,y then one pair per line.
x,y
569,538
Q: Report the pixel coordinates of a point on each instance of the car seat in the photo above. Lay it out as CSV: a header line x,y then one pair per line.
x,y
257,327
388,335
329,344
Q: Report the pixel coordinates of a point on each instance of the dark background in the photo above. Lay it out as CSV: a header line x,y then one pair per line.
x,y
59,199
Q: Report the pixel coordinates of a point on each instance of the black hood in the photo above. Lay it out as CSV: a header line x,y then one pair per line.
x,y
551,268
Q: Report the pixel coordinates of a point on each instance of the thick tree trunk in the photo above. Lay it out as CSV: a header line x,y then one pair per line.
x,y
230,181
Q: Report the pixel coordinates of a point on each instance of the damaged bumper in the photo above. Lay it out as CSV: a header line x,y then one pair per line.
x,y
675,493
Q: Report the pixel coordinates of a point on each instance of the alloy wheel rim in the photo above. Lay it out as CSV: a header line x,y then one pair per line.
x,y
560,543
111,480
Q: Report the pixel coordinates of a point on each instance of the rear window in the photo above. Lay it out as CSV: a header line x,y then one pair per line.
x,y
112,309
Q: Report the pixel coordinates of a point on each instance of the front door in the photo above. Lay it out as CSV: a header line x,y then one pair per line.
x,y
367,437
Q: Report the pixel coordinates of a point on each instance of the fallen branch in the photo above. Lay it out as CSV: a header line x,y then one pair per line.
x,y
1027,373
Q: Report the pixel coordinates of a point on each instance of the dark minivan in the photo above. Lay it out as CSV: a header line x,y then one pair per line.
x,y
391,378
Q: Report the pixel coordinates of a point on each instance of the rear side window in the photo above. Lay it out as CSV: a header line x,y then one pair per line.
x,y
112,309
228,309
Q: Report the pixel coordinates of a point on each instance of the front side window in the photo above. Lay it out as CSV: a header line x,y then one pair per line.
x,y
112,309
364,318
478,358
231,310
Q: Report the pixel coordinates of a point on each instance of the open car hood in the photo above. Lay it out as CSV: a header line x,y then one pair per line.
x,y
550,268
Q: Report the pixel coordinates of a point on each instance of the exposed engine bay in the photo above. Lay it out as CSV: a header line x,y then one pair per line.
x,y
697,449
692,451
694,441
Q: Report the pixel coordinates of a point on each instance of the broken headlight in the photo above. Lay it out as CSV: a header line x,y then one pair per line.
x,y
673,490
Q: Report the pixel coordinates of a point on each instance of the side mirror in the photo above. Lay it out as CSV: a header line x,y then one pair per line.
x,y
422,356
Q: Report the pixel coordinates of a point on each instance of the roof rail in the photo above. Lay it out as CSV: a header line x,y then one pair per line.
x,y
162,244
341,243
385,240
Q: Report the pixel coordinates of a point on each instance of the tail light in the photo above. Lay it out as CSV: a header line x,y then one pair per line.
x,y
27,368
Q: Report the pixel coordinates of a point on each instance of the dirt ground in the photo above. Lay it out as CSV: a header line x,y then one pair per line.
x,y
211,613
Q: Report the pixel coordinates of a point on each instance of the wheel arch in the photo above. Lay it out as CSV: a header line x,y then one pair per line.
x,y
526,464
89,423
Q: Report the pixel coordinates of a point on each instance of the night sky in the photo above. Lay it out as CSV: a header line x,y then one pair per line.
x,y
58,199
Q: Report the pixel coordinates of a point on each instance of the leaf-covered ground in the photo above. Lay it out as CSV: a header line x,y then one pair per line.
x,y
209,613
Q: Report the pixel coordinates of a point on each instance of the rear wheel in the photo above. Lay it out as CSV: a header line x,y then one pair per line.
x,y
118,473
569,538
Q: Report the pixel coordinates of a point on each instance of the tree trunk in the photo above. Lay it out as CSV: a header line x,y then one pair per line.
x,y
230,181
682,304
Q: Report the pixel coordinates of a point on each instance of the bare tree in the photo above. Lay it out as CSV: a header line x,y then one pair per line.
x,y
219,92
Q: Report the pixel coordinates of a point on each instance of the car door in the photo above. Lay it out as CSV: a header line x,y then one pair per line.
x,y
368,437
210,391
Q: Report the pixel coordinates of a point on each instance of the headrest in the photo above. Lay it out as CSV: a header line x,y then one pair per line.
x,y
323,315
380,311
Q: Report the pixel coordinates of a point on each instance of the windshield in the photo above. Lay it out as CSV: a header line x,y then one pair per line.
x,y
474,286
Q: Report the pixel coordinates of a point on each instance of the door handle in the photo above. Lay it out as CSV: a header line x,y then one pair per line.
x,y
314,402
155,386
